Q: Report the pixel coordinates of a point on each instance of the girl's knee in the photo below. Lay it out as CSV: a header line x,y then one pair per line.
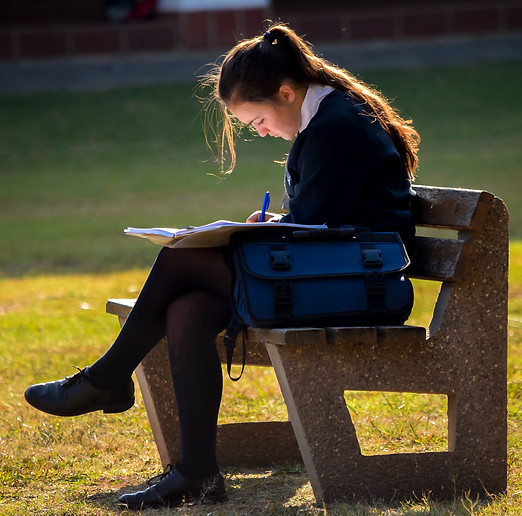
x,y
198,311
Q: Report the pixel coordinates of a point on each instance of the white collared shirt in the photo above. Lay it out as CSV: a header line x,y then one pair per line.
x,y
314,95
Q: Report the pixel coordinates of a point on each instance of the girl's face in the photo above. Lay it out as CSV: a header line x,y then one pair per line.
x,y
279,118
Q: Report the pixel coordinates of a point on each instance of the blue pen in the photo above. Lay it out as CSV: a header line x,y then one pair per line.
x,y
266,203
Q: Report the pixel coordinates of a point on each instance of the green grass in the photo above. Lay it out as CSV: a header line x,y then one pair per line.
x,y
78,167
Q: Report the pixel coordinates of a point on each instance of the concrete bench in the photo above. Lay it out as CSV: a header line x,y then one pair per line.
x,y
463,354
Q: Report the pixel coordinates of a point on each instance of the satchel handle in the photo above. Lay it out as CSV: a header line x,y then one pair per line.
x,y
229,339
303,234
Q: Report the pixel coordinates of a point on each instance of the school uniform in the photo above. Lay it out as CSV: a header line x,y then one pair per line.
x,y
343,168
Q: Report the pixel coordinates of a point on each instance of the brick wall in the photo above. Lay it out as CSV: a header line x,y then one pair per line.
x,y
398,21
218,30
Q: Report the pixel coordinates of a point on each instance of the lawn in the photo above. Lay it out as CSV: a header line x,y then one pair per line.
x,y
78,167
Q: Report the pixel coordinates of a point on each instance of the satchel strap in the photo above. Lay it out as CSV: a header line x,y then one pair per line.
x,y
376,292
283,300
229,339
375,285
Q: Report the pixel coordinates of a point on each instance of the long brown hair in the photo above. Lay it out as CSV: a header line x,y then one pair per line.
x,y
255,68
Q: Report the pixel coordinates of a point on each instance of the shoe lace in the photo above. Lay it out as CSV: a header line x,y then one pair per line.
x,y
71,380
169,468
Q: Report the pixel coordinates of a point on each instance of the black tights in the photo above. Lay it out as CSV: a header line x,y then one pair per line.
x,y
186,297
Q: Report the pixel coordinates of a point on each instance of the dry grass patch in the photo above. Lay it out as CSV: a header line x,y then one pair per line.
x,y
79,466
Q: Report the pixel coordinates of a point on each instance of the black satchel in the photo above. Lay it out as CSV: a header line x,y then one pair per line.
x,y
283,277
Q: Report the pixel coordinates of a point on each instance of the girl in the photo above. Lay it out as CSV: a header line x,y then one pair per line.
x,y
351,162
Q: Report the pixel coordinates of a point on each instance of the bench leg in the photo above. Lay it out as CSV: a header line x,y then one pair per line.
x,y
246,444
313,379
318,422
158,396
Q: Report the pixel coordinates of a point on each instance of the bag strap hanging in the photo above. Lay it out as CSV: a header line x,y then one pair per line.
x,y
229,339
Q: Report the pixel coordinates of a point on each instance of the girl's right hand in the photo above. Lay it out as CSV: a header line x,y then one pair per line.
x,y
269,217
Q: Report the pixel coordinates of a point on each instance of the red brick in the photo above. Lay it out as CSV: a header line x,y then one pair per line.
x,y
319,28
6,45
372,27
476,20
252,21
514,18
42,12
149,38
45,43
224,28
96,41
424,24
195,30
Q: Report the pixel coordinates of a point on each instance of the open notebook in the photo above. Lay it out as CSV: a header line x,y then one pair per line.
x,y
215,234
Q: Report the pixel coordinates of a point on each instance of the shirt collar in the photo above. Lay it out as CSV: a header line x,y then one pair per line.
x,y
314,95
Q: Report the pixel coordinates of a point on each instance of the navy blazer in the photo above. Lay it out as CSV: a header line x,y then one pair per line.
x,y
344,169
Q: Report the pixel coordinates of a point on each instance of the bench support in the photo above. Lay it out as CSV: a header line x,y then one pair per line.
x,y
249,444
465,358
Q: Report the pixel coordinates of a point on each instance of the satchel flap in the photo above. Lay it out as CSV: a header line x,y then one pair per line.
x,y
321,259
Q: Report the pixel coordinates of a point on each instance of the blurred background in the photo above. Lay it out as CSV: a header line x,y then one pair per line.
x,y
101,125
60,28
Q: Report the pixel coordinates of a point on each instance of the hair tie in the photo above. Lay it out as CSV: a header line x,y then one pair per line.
x,y
269,37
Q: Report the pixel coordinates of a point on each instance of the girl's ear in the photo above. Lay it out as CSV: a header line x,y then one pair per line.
x,y
286,93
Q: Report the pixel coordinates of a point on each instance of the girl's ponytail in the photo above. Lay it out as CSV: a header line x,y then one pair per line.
x,y
254,70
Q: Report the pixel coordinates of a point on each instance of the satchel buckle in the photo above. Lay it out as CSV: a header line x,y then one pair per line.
x,y
280,258
372,258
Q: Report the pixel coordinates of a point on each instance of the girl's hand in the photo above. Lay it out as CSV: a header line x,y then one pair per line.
x,y
269,217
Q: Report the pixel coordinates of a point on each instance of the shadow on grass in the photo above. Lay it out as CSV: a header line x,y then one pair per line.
x,y
283,492
280,491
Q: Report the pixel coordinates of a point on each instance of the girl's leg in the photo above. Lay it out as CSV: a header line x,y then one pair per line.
x,y
107,384
193,323
174,273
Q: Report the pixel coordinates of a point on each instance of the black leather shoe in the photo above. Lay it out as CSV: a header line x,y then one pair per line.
x,y
173,489
77,395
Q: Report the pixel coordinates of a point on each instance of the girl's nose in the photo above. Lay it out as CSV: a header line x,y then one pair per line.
x,y
262,131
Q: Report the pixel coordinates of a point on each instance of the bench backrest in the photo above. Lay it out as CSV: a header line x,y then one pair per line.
x,y
445,259
478,218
